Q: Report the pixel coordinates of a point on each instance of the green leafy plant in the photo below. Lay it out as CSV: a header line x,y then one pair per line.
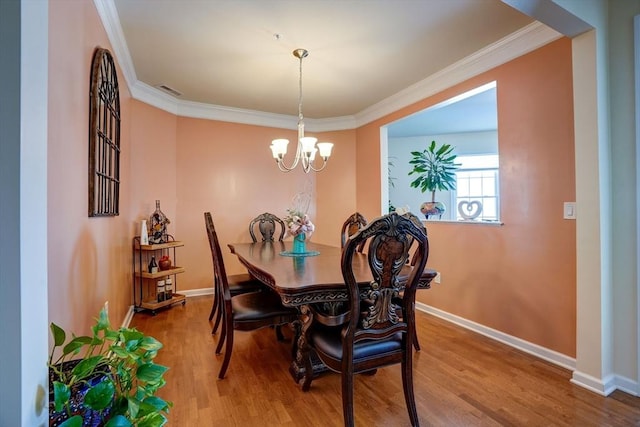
x,y
435,168
115,373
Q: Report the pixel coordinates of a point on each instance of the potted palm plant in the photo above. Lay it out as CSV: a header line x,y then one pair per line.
x,y
435,168
107,379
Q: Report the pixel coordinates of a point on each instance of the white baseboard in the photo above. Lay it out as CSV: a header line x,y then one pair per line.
x,y
627,385
127,319
607,386
602,387
197,292
534,349
189,293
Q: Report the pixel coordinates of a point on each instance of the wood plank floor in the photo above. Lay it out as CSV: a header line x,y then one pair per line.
x,y
461,379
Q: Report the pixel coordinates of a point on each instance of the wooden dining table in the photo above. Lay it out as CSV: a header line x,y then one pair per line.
x,y
309,283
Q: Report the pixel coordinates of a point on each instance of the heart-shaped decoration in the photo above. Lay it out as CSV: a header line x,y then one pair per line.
x,y
469,210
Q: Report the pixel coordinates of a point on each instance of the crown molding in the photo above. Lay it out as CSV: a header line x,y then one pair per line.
x,y
523,41
111,22
516,44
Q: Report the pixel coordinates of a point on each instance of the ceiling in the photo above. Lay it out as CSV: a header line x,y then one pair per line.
x,y
238,53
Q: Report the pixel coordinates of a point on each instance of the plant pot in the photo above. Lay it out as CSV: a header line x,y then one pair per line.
x,y
90,418
432,209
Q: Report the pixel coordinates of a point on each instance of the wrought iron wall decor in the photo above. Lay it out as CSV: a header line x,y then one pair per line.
x,y
104,136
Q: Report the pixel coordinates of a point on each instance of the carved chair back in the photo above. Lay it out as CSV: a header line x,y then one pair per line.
x,y
267,225
389,238
351,226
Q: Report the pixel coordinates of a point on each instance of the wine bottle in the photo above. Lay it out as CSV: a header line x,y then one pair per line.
x,y
153,265
168,288
160,290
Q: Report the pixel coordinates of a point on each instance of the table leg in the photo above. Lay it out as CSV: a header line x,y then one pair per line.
x,y
300,347
305,365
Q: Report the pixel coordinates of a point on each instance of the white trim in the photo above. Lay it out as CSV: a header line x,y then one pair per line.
x,y
520,344
636,50
523,41
197,292
111,22
626,384
602,387
128,317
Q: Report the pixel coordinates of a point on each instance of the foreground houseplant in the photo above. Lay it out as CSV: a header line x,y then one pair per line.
x,y
107,379
435,168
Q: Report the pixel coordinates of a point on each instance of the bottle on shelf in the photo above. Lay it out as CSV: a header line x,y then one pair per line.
x,y
144,233
160,290
158,223
153,265
168,288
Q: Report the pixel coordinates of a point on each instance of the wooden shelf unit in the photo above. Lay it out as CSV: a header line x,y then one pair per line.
x,y
153,305
144,282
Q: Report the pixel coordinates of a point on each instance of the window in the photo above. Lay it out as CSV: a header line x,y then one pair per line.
x,y
477,196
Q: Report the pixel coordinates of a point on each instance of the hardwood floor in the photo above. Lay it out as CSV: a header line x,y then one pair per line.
x,y
460,378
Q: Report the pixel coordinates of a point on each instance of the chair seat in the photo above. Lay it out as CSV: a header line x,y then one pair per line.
x,y
259,305
243,283
327,341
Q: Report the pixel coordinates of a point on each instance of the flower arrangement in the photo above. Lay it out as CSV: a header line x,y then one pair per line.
x,y
297,220
297,223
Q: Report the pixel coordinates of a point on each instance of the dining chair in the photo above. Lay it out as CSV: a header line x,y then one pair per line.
x,y
244,312
351,226
238,284
377,336
267,226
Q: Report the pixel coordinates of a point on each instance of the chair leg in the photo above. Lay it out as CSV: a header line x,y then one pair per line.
x,y
214,307
279,335
347,397
223,336
407,385
227,354
218,317
226,321
416,344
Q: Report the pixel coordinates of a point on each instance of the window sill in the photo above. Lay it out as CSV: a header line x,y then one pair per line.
x,y
446,221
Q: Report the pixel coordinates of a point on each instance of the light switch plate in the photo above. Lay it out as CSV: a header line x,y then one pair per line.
x,y
569,210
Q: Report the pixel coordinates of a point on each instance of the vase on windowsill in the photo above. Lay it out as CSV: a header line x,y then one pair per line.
x,y
432,209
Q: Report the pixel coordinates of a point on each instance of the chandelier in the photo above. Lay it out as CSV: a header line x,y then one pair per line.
x,y
307,148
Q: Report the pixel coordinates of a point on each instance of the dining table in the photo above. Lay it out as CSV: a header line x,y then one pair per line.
x,y
313,283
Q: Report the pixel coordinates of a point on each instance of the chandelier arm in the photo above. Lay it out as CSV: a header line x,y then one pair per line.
x,y
283,168
324,164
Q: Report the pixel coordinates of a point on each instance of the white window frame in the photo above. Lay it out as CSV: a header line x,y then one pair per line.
x,y
478,163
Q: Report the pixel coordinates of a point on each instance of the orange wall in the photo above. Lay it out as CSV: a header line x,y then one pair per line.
x,y
519,278
89,259
227,169
153,164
